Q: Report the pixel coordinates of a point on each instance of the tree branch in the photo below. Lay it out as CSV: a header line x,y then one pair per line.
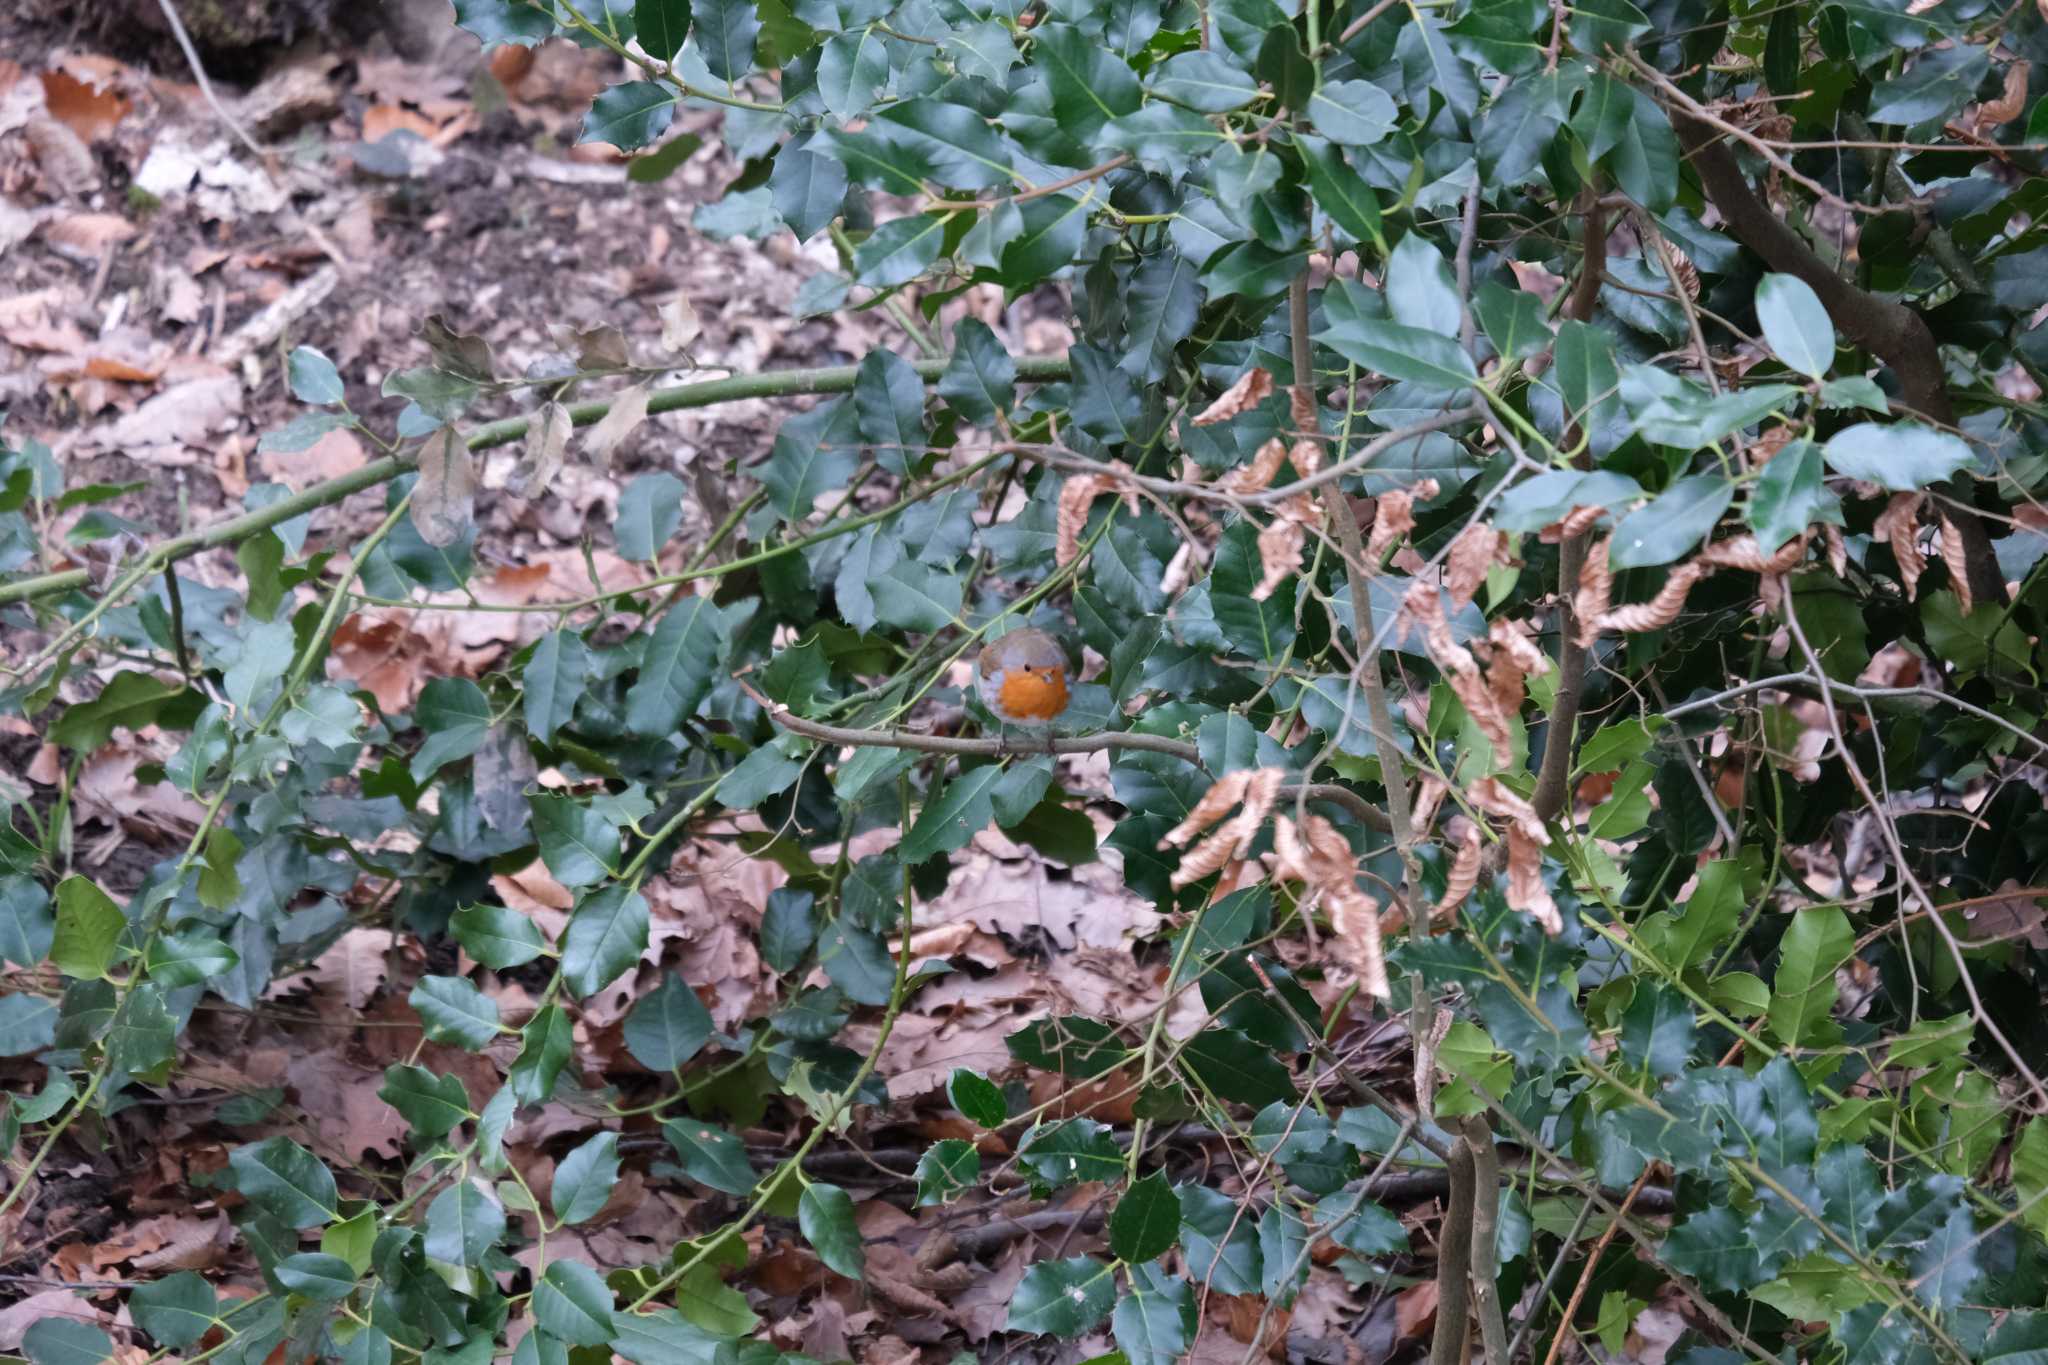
x,y
1893,332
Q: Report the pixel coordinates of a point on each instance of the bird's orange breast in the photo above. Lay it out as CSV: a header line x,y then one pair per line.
x,y
1033,693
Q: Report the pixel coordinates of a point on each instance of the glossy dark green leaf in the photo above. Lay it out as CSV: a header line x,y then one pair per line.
x,y
978,1099
668,1026
710,1155
857,962
1207,82
544,1047
888,397
1071,1152
1090,85
808,189
675,673
65,1341
1220,1240
1145,1224
286,1181
947,1167
572,1302
1340,192
1788,496
1400,352
661,26
313,377
1161,306
825,1216
1796,324
584,1179
789,927
606,935
554,677
1673,523
1154,1321
814,454
1936,85
27,928
1903,456
1237,1069
852,69
453,1010
454,716
726,31
1062,1298
1352,113
899,250
495,936
463,1224
432,1104
176,1310
650,510
317,1276
579,845
504,22
629,116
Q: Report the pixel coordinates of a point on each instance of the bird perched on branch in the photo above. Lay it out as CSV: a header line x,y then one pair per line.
x,y
1022,678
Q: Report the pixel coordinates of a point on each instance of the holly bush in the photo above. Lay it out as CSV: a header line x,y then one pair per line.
x,y
1541,503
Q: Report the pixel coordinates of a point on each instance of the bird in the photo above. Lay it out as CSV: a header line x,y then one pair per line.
x,y
1022,678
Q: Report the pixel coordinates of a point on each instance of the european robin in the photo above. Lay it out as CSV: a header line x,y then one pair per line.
x,y
1023,678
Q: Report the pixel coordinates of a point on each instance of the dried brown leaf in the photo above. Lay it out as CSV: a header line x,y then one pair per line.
x,y
444,499
1280,547
1252,388
1525,890
1395,517
1355,937
1953,554
1478,548
1494,798
1077,495
679,324
629,410
1258,475
1464,873
547,439
1899,524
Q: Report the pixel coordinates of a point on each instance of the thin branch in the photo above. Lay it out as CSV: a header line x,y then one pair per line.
x,y
1025,196
782,716
205,85
704,393
1571,1307
1486,1305
1454,1263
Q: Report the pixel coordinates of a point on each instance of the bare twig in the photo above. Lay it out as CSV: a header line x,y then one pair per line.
x,y
205,85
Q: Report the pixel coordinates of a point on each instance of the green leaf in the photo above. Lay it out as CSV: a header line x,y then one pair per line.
x,y
852,69
808,190
899,250
978,1099
1400,352
825,1214
1219,1240
726,31
28,1023
88,927
1715,1247
1645,158
1340,192
1064,1298
1519,128
668,1026
65,1341
1070,1152
579,846
710,1155
572,1302
187,959
959,812
857,962
500,22
432,1104
176,1310
1673,523
1090,84
964,150
453,1010
1512,319
1903,457
1161,305
947,1167
980,381
629,115
455,715
585,1178
27,928
675,674
130,700
496,937
1154,1322
1803,992
888,397
1657,1030
1796,324
463,1224
605,937
814,454
317,1276
661,26
1228,1063
1352,113
313,377
650,510
1937,85
1788,496
143,1036
286,1181
1145,1223
789,927
1207,82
